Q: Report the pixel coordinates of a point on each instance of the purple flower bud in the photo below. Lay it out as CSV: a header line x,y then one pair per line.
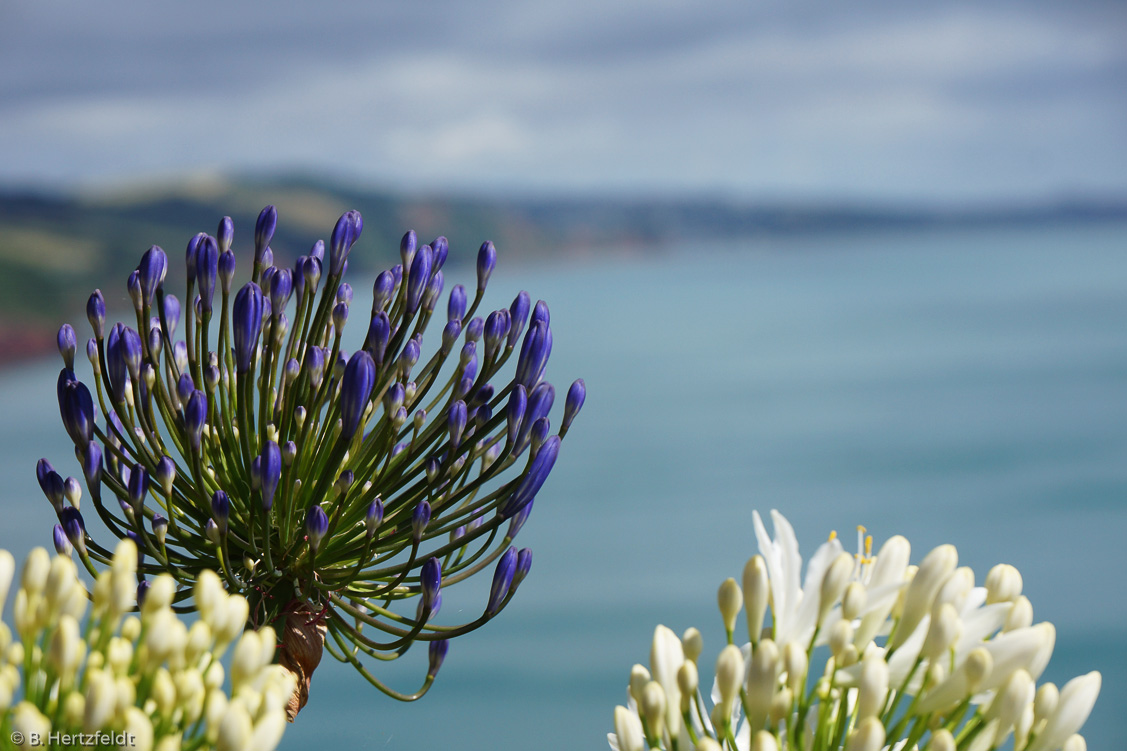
x,y
540,313
456,422
62,544
152,270
299,277
409,356
430,579
315,366
344,293
281,287
540,430
271,473
264,231
68,343
191,256
210,377
156,342
211,529
75,529
394,397
382,290
534,354
524,565
115,363
207,267
165,474
530,485
441,247
160,528
436,654
518,520
539,405
576,395
373,517
340,316
289,452
225,234
180,356
184,387
317,251
311,270
246,324
518,315
356,388
397,274
292,369
138,487
267,258
226,270
496,328
502,580
220,510
92,355
486,260
346,232
136,294
418,278
131,352
51,483
450,334
407,247
96,313
482,416
171,313
456,308
340,364
420,518
77,409
475,329
518,404
195,415
316,525
379,331
92,468
433,292
142,590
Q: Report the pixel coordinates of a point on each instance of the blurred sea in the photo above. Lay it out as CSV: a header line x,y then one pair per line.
x,y
964,386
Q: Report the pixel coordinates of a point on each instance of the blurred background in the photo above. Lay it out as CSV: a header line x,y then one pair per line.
x,y
865,263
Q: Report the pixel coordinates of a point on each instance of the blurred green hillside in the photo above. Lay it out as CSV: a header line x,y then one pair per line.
x,y
54,250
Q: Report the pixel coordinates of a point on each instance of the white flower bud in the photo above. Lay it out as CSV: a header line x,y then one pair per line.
x,y
246,662
125,692
764,741
729,675
1003,584
653,707
639,677
730,600
1023,726
688,681
138,729
841,636
853,601
757,591
795,663
268,731
62,578
1009,702
190,694
7,570
163,692
781,706
1045,702
131,628
235,621
101,700
977,666
1075,743
119,654
74,707
708,744
209,594
944,629
628,729
873,688
103,589
214,676
215,709
199,640
1071,712
692,644
1020,615
235,729
761,679
67,648
956,589
666,657
932,573
160,594
942,740
867,736
834,583
29,722
35,570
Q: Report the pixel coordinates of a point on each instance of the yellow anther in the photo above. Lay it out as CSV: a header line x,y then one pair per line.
x,y
869,546
833,535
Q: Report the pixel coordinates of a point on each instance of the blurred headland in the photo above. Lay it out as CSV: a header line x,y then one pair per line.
x,y
55,249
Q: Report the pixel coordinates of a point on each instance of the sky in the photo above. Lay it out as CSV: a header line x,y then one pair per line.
x,y
856,101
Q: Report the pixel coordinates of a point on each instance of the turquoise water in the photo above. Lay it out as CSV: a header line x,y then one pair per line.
x,y
966,387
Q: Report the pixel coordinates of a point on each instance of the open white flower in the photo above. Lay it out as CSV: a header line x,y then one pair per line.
x,y
911,658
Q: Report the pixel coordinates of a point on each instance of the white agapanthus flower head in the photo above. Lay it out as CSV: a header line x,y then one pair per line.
x,y
862,652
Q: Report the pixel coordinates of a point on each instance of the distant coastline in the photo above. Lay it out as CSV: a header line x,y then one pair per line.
x,y
54,249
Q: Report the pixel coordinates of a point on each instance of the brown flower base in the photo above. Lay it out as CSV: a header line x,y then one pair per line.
x,y
303,642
